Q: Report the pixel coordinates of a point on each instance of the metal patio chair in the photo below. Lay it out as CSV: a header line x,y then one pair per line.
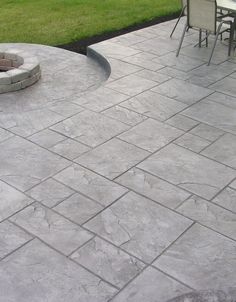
x,y
183,13
202,15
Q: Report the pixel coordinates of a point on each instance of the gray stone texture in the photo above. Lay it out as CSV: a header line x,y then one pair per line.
x,y
181,122
11,238
69,149
107,261
50,192
131,85
11,200
182,91
223,150
90,128
128,224
20,168
78,208
213,114
58,279
117,172
202,259
207,132
153,188
151,286
151,135
154,105
52,228
210,215
220,295
227,198
112,158
189,171
124,115
192,142
91,184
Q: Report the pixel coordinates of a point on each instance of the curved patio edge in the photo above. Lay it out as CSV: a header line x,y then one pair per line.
x,y
101,59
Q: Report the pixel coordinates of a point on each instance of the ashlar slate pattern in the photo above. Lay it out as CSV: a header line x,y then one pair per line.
x,y
124,192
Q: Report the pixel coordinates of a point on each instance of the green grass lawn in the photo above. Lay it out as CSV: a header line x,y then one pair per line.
x,y
55,22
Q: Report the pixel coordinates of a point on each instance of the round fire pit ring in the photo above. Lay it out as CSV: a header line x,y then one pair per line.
x,y
18,70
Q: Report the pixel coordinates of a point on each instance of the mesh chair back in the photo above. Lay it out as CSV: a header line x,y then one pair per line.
x,y
202,14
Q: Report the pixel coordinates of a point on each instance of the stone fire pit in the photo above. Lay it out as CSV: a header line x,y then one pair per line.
x,y
18,70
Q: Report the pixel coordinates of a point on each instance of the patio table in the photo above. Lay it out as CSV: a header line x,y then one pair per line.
x,y
229,5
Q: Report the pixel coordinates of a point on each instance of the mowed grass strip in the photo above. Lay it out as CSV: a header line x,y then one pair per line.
x,y
55,22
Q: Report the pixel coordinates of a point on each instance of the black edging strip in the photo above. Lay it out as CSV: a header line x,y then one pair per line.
x,y
81,45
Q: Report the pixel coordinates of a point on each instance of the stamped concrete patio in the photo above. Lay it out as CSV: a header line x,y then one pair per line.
x,y
124,192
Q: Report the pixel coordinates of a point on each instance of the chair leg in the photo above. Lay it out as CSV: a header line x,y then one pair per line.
x,y
177,22
216,38
207,38
182,39
231,37
200,38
